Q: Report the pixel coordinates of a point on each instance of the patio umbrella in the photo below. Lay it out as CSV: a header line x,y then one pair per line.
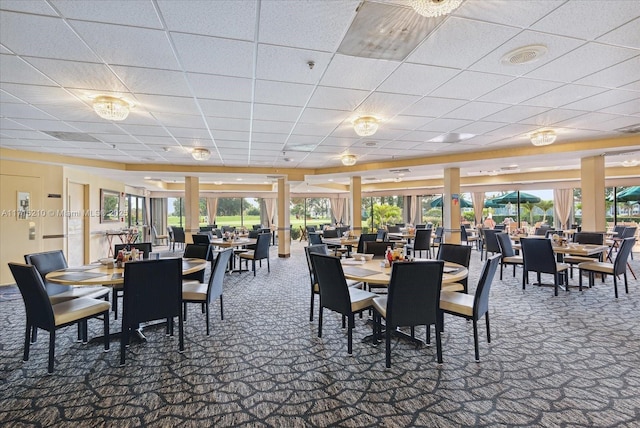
x,y
513,198
630,194
491,203
437,203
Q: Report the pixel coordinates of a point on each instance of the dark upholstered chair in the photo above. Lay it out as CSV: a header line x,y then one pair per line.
x,y
260,253
413,299
618,267
178,237
196,251
196,292
335,295
422,242
42,314
473,307
381,235
152,291
508,255
437,237
538,257
315,238
145,249
460,254
596,238
378,249
490,242
365,237
314,249
466,237
50,261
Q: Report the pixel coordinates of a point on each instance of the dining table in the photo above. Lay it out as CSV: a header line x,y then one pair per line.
x,y
233,243
347,242
373,271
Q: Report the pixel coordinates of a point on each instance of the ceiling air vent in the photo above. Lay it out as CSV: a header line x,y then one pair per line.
x,y
633,129
524,55
400,171
72,136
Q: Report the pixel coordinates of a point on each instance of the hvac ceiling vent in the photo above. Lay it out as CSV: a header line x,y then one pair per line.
x,y
524,55
72,136
400,171
633,129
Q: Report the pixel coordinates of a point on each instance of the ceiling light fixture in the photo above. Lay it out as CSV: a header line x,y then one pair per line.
x,y
435,8
348,160
200,154
365,126
111,108
630,163
543,138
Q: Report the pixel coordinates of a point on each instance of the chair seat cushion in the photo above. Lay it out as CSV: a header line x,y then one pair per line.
x,y
354,283
247,255
360,299
597,267
455,286
380,305
579,259
77,292
194,290
561,267
460,303
516,260
77,309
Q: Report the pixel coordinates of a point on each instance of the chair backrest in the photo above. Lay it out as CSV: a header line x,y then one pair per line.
x,y
500,226
537,255
315,249
330,233
490,240
310,229
629,232
152,290
256,227
381,235
196,251
334,293
504,242
438,237
414,293
454,253
229,229
421,226
463,233
341,230
178,234
262,247
481,298
365,237
315,238
206,228
620,263
422,241
170,233
393,229
253,234
218,270
541,231
618,229
46,262
550,232
36,301
378,249
589,238
143,247
217,233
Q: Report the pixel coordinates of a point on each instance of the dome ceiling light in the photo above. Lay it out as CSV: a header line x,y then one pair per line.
x,y
201,154
543,138
348,160
365,126
111,108
434,8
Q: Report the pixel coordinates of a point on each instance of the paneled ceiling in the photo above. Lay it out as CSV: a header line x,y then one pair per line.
x,y
235,77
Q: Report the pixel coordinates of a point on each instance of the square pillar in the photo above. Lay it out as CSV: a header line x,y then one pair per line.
x,y
355,204
191,207
451,205
284,224
593,198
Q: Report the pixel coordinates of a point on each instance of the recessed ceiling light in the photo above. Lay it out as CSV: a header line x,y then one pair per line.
x,y
331,179
238,179
451,137
147,178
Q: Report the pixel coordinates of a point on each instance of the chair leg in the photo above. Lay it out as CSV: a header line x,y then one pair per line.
x,y
27,343
114,303
501,269
52,349
626,284
254,267
615,285
387,347
438,342
221,308
488,330
106,330
580,279
350,334
34,334
524,278
475,340
207,318
320,320
313,295
184,310
268,266
180,333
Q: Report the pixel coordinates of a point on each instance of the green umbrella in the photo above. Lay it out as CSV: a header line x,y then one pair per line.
x,y
490,203
630,194
513,198
437,203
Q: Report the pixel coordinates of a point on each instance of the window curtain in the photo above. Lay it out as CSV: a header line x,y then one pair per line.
x,y
416,209
478,204
212,210
147,218
562,204
337,209
269,211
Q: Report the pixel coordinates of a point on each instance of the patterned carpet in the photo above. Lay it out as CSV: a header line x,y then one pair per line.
x,y
571,360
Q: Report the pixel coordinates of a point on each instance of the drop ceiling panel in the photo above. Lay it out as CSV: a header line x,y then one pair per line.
x,y
401,123
180,120
271,138
357,73
605,99
479,127
290,65
193,133
518,13
234,19
460,42
433,107
336,98
520,90
234,109
470,85
313,129
445,125
138,14
324,117
476,110
41,43
615,76
221,87
38,8
24,111
139,130
271,93
17,70
414,79
516,113
46,125
315,25
386,105
275,112
190,49
577,18
151,48
631,108
563,95
272,126
625,35
152,81
81,75
167,104
39,94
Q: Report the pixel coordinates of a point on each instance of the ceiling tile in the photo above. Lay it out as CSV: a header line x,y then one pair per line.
x,y
274,112
615,76
550,117
444,125
605,99
269,138
38,95
35,7
152,81
357,73
516,113
315,25
626,35
17,70
414,79
386,105
479,127
269,92
470,85
475,110
221,87
80,75
518,13
180,120
218,108
271,126
123,12
40,43
24,111
456,43
337,98
433,107
290,65
167,104
190,49
324,116
630,107
563,95
519,90
234,19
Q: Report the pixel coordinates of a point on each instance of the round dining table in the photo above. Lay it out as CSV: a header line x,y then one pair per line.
x,y
373,273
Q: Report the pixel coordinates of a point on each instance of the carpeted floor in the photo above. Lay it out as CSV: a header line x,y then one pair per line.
x,y
571,360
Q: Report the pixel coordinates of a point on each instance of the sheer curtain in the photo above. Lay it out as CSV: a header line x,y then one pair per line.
x,y
212,210
562,204
270,211
478,204
337,209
